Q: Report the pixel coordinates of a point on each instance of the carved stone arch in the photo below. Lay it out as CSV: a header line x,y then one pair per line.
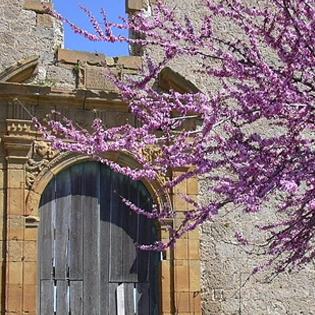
x,y
67,159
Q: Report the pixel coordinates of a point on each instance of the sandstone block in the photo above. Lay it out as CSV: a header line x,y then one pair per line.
x,y
37,6
134,5
194,279
15,201
15,227
180,204
181,249
30,251
181,275
31,234
188,303
167,303
130,62
15,272
182,302
166,275
194,249
14,298
45,20
73,56
30,273
193,186
15,251
29,299
16,178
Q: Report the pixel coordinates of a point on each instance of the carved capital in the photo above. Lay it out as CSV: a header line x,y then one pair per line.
x,y
19,138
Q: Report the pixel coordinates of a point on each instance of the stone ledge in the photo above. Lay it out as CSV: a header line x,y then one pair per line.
x,y
68,56
73,56
37,6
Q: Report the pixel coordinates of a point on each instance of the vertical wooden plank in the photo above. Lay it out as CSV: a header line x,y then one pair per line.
x,y
112,309
120,297
144,234
76,224
105,199
90,201
129,298
143,299
62,305
47,297
116,219
76,297
63,205
46,232
129,234
61,237
76,239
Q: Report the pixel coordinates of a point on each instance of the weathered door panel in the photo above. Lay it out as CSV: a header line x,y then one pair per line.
x,y
88,257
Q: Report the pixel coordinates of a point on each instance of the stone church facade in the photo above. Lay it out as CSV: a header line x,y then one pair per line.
x,y
206,273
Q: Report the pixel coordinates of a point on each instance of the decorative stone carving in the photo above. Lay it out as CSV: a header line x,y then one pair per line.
x,y
151,152
43,149
42,153
18,127
90,77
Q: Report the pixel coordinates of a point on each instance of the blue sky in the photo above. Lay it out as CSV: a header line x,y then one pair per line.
x,y
70,10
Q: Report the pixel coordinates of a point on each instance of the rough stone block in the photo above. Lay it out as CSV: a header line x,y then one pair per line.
x,y
45,20
37,6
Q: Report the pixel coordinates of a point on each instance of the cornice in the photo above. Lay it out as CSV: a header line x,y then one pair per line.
x,y
46,96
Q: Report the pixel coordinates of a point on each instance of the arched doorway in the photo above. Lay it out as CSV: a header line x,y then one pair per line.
x,y
88,261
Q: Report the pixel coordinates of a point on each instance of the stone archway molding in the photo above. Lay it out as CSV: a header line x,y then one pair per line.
x,y
40,172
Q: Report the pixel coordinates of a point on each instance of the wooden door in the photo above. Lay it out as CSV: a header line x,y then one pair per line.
x,y
88,261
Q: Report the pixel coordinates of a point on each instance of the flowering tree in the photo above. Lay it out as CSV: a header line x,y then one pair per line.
x,y
265,73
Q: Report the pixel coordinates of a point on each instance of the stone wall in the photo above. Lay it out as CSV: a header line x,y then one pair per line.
x,y
26,30
226,285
